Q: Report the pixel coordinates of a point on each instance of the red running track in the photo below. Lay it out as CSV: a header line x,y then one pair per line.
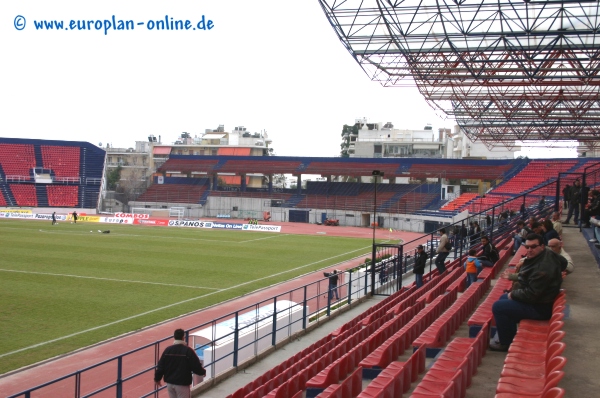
x,y
144,360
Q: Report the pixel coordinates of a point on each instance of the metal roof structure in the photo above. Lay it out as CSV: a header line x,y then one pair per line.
x,y
506,70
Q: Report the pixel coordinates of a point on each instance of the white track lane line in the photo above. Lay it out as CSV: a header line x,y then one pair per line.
x,y
107,279
171,305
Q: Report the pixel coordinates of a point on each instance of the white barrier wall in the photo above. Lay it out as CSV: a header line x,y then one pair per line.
x,y
216,343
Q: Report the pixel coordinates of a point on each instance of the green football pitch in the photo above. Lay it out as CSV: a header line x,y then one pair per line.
x,y
68,286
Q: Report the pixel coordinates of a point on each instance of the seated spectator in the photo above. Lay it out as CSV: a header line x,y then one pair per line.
x,y
539,281
556,246
490,254
472,267
522,232
549,231
592,210
532,220
556,223
536,227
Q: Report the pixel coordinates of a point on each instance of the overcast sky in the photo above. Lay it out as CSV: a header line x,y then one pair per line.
x,y
265,64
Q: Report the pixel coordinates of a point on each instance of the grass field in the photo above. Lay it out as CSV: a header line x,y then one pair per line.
x,y
63,287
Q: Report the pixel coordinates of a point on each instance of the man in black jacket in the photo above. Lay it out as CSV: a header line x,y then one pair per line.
x,y
575,199
419,267
538,285
489,254
176,364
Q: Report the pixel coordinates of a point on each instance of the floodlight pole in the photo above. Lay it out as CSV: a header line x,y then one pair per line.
x,y
376,174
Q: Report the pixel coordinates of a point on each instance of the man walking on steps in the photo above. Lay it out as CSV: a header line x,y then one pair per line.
x,y
176,365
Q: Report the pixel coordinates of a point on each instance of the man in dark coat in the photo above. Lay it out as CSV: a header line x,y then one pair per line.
x,y
539,280
575,200
419,268
176,365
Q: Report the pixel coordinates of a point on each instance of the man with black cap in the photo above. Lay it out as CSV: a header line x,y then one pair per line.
x,y
419,267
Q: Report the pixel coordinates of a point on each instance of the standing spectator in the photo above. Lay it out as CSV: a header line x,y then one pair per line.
x,y
176,365
566,196
442,251
538,285
333,283
419,268
575,199
557,247
53,218
463,234
472,238
477,230
542,207
523,211
472,267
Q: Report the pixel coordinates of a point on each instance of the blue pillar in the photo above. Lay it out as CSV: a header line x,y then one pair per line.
x,y
299,183
270,183
243,186
215,182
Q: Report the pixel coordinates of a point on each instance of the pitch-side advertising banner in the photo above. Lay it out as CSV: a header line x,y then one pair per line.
x,y
262,228
190,224
49,217
116,220
131,215
162,223
16,215
25,211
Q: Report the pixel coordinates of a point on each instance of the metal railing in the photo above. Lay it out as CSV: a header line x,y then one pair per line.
x,y
311,304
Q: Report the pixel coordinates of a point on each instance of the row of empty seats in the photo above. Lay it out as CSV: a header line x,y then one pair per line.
x,y
173,193
459,202
535,173
365,357
58,195
24,194
17,159
63,195
62,160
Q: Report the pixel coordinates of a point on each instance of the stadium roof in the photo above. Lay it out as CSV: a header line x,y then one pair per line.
x,y
504,69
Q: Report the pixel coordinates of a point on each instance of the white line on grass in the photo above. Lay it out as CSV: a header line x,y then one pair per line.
x,y
267,237
106,279
82,233
172,305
